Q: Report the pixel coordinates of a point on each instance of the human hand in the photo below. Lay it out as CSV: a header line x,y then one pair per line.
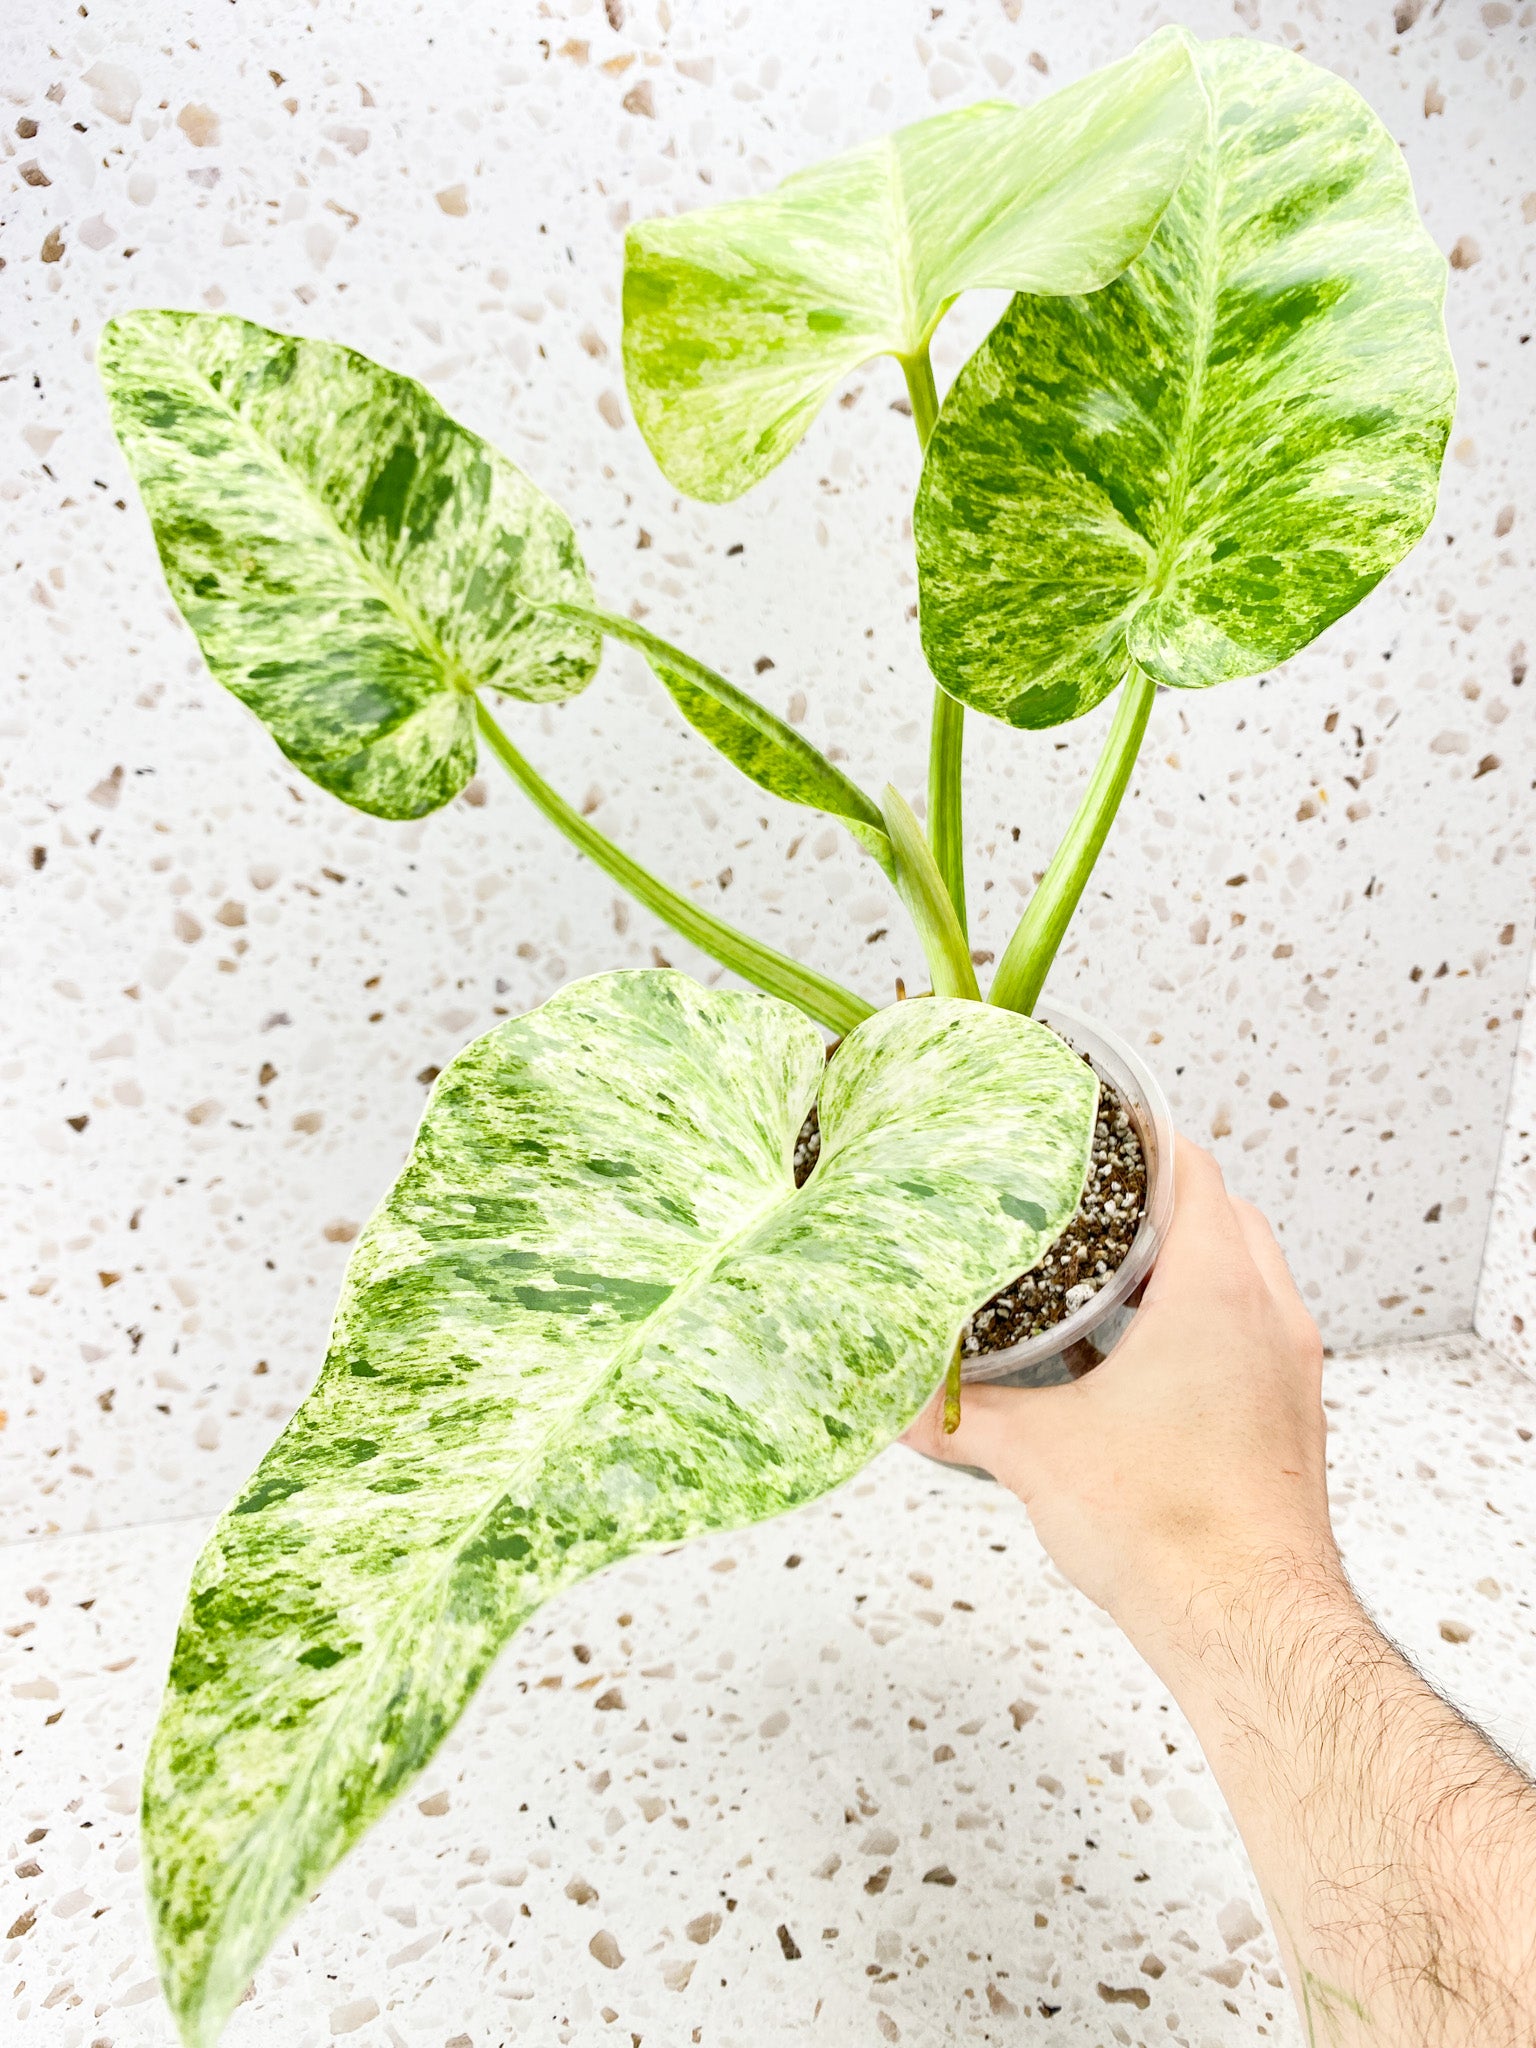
x,y
1182,1485
1177,1477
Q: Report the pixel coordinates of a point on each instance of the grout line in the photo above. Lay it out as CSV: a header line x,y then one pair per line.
x,y
1506,1139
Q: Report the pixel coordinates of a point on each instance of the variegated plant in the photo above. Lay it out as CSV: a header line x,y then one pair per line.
x,y
596,1313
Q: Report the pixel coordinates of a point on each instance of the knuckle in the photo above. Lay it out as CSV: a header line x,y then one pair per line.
x,y
1202,1160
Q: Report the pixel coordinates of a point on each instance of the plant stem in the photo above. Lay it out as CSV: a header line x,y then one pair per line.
x,y
952,1395
923,892
838,1008
921,391
1022,970
946,738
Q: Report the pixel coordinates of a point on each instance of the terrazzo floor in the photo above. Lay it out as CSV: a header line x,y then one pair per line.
x,y
870,1773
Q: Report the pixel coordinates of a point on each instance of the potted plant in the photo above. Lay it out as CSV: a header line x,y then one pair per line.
x,y
602,1308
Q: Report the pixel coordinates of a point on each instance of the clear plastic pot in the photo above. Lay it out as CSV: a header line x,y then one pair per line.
x,y
1074,1345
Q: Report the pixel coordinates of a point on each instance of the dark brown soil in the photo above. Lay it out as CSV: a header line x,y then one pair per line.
x,y
1087,1254
807,1146
1089,1251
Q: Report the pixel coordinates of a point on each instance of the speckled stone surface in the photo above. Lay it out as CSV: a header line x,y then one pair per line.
x,y
869,1773
224,993
1506,1294
224,989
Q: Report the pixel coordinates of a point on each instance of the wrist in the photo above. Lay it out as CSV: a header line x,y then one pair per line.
x,y
1243,1622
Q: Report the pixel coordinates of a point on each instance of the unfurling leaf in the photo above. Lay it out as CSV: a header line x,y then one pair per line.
x,y
594,1316
740,319
928,903
354,563
751,737
1205,464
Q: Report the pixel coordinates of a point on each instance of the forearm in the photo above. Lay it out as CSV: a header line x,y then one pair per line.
x,y
1395,1844
1183,1486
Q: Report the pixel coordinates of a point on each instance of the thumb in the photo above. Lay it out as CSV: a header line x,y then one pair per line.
x,y
994,1432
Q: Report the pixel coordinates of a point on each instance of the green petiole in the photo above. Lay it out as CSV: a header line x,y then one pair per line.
x,y
952,1385
946,739
947,736
921,392
838,1008
1022,970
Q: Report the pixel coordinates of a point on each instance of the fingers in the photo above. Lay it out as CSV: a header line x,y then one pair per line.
x,y
1217,1239
991,1432
1264,1250
1204,1238
1218,1250
1215,1235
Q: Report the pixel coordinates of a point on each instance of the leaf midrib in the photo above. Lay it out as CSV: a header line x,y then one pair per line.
x,y
906,277
388,594
1174,535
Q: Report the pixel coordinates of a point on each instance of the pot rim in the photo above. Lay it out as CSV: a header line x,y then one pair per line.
x,y
1114,1060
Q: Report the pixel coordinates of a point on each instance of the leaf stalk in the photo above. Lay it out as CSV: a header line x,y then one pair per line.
x,y
1024,966
946,739
952,1394
828,1002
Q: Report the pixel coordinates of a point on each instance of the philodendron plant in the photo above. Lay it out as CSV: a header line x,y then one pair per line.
x,y
596,1314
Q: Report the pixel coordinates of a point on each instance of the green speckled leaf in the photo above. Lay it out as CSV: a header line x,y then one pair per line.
x,y
1205,464
593,1316
771,753
740,319
354,563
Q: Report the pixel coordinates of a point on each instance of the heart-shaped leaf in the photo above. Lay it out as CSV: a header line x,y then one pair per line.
x,y
1205,464
594,1316
740,319
354,563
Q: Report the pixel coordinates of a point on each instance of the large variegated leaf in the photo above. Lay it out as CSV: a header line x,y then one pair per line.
x,y
1203,465
594,1315
354,563
740,319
